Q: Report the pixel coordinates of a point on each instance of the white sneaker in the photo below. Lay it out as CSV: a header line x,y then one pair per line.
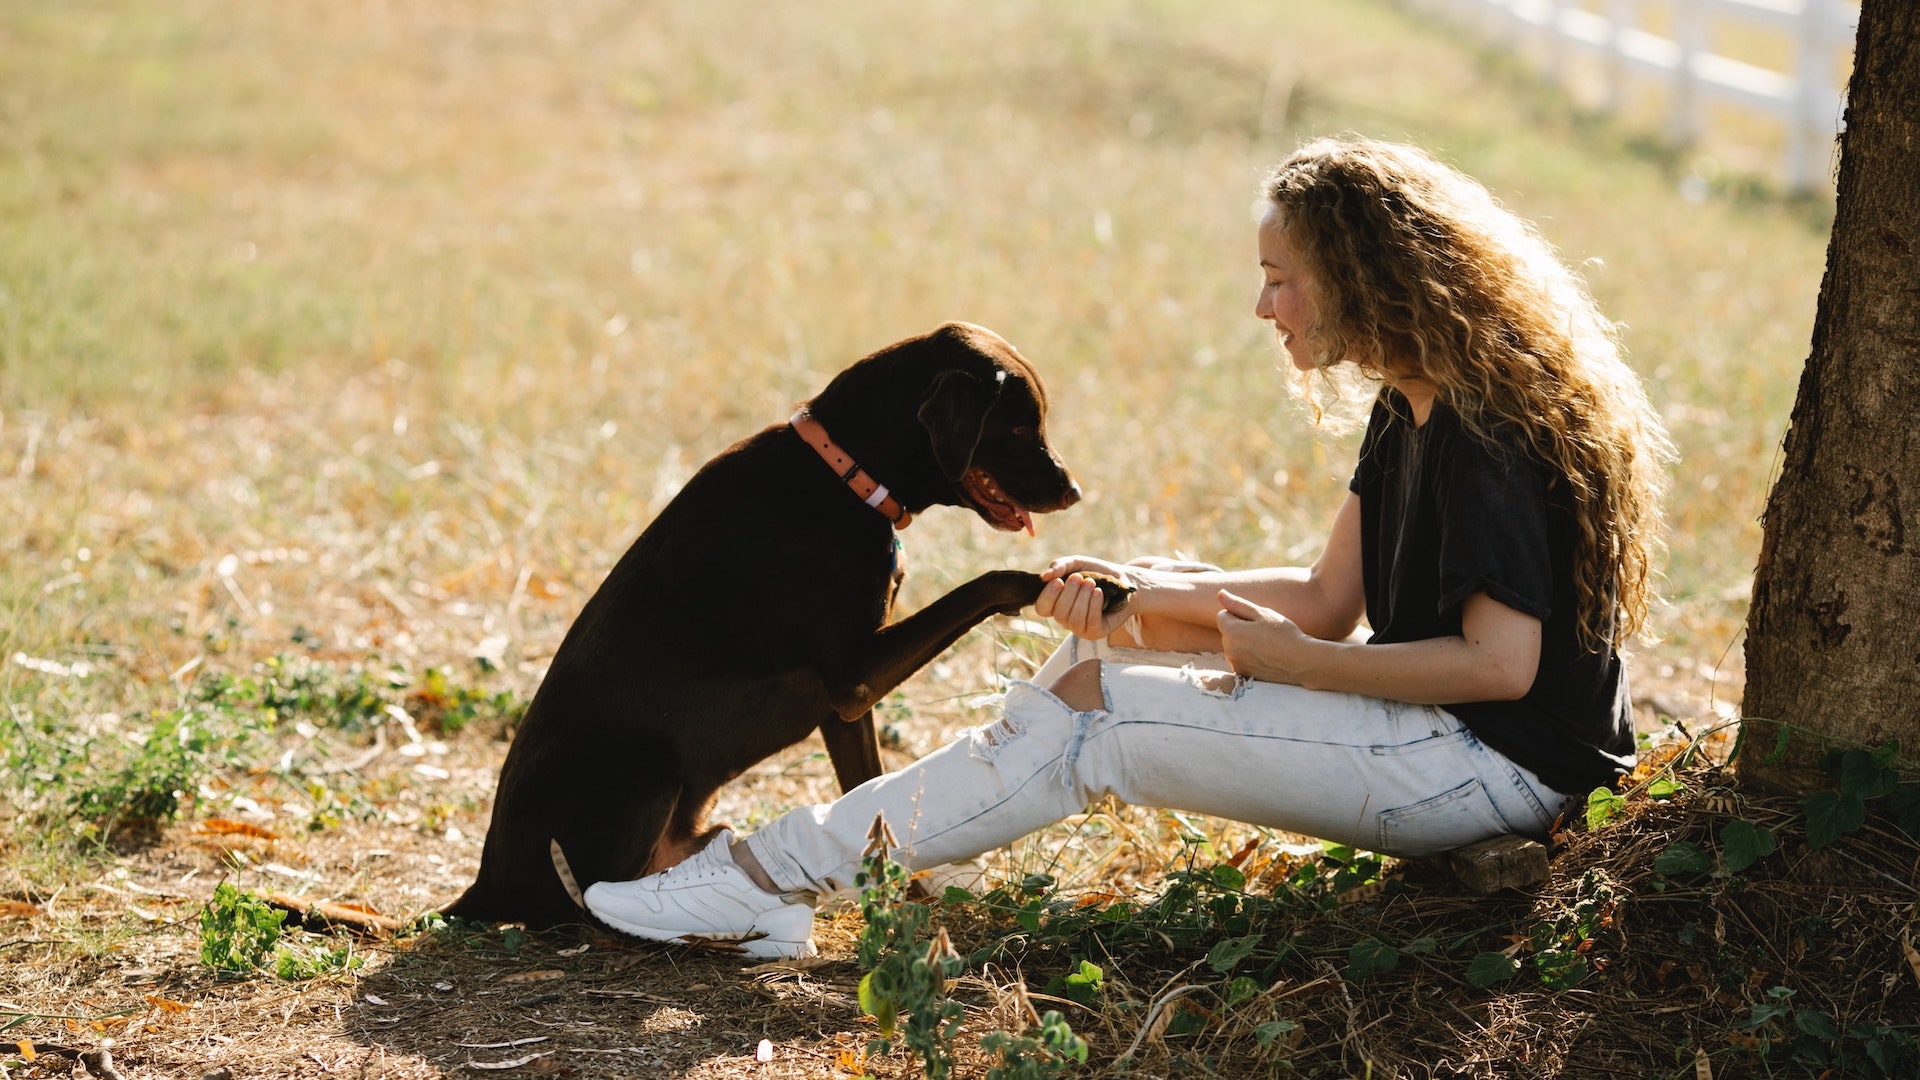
x,y
707,898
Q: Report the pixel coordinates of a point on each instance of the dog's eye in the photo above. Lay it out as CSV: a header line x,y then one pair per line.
x,y
1024,431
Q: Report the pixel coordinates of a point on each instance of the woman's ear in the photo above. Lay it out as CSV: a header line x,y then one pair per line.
x,y
954,412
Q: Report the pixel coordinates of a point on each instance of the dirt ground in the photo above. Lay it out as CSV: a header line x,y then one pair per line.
x,y
113,964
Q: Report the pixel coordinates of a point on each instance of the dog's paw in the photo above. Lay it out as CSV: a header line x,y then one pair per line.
x,y
1113,591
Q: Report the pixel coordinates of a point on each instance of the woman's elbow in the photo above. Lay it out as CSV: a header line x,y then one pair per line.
x,y
1509,676
1510,687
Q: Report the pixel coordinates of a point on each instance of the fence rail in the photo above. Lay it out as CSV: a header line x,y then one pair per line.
x,y
1806,100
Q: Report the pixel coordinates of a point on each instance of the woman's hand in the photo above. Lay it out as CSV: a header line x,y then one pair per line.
x,y
1260,643
1071,599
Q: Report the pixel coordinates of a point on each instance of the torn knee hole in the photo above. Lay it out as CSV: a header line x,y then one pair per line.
x,y
999,733
1080,687
1219,683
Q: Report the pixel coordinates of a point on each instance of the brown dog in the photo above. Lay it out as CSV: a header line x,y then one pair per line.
x,y
755,609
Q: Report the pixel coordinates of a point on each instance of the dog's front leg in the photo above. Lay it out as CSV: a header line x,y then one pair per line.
x,y
897,650
854,748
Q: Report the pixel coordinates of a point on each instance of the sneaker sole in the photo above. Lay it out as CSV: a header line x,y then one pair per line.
x,y
759,948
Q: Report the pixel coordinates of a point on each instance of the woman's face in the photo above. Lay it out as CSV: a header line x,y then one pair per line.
x,y
1286,291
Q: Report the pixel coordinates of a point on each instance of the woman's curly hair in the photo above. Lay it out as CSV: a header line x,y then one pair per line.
x,y
1420,273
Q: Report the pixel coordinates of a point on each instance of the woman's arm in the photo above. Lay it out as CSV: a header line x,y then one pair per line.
x,y
1180,609
1495,657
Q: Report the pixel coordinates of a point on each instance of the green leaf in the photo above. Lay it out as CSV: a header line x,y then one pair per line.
x,y
1683,858
1560,969
881,1009
1264,1034
1664,787
954,894
1224,956
1603,805
1864,777
1029,916
1831,815
1084,984
1370,957
1780,744
1490,967
1185,1021
1817,1024
1034,884
1742,843
1340,853
1241,989
1229,878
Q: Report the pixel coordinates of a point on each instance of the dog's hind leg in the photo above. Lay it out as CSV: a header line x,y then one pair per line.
x,y
854,748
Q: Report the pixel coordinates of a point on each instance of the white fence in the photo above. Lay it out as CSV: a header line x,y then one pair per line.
x,y
1807,100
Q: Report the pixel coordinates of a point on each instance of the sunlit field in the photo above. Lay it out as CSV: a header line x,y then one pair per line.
x,y
361,337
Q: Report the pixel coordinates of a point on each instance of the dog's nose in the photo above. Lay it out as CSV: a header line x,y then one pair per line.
x,y
1071,495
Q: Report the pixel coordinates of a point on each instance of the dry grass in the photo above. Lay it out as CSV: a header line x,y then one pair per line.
x,y
373,331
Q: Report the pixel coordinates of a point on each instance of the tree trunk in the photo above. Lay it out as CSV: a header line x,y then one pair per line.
x,y
1833,636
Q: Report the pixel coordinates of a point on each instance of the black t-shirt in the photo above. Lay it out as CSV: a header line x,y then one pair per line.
x,y
1444,516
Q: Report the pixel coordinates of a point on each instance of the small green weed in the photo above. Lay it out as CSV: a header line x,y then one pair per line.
x,y
1563,947
1040,1055
240,934
238,930
905,971
1779,1030
442,705
310,961
1861,776
908,974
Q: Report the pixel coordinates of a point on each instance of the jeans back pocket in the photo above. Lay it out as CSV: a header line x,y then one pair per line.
x,y
1451,819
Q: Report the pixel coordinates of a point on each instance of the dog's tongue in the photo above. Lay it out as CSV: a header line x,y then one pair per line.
x,y
1027,520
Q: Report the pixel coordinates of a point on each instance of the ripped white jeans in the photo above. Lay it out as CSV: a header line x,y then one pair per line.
x,y
1179,732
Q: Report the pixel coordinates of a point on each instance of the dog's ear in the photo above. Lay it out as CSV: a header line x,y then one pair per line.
x,y
954,413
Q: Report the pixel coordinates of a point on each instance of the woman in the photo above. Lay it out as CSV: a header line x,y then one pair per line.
x,y
1499,539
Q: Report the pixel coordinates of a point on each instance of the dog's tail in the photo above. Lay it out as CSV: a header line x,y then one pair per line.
x,y
562,868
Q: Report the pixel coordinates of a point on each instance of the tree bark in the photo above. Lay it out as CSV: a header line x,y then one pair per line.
x,y
1833,635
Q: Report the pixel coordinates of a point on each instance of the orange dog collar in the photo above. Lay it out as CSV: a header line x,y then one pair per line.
x,y
871,491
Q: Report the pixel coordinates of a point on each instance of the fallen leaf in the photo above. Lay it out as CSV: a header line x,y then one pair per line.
x,y
1913,955
543,975
1702,1065
165,1005
513,1064
26,1050
15,909
236,828
373,1000
797,964
577,949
